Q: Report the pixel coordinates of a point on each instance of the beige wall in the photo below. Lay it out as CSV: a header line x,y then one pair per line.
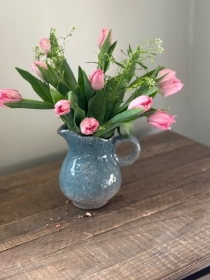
x,y
29,137
199,96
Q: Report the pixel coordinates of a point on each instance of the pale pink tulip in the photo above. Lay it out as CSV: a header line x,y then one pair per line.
x,y
36,69
62,107
45,45
169,84
89,125
97,79
143,102
9,95
102,37
161,120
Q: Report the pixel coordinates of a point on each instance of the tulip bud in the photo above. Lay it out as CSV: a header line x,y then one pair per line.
x,y
143,102
102,37
36,69
45,45
62,107
89,125
97,79
161,120
9,95
169,84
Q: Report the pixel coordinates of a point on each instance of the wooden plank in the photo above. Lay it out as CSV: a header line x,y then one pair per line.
x,y
164,161
174,244
31,189
136,191
131,193
18,232
155,228
49,249
148,248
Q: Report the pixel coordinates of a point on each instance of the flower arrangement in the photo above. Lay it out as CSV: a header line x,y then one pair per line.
x,y
94,104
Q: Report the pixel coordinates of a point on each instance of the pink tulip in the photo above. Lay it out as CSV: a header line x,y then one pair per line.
x,y
36,69
102,37
169,85
161,120
89,126
62,107
97,79
9,95
45,45
143,102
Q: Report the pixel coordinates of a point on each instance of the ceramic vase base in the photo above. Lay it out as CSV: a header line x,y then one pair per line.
x,y
90,174
89,207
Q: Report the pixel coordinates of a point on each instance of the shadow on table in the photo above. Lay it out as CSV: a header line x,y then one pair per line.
x,y
200,274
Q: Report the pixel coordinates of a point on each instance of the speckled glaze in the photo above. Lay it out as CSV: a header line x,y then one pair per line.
x,y
90,174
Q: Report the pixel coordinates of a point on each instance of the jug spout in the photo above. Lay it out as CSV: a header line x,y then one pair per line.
x,y
66,134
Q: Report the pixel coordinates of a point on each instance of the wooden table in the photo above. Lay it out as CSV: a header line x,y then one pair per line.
x,y
156,227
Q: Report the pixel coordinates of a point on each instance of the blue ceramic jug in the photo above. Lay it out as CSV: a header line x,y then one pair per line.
x,y
90,175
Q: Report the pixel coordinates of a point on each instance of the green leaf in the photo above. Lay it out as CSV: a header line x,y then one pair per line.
x,y
81,79
73,98
156,71
69,80
129,50
82,101
119,64
85,88
79,115
110,106
97,106
66,68
103,55
89,92
62,88
78,88
142,65
106,129
55,78
109,88
90,114
112,47
38,86
106,45
113,89
151,74
152,93
56,96
69,120
30,104
126,116
65,119
128,127
121,81
45,74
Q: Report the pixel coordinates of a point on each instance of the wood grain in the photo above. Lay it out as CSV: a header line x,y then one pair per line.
x,y
156,227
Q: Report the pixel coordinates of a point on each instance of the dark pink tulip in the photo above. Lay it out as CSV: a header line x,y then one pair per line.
x,y
36,69
143,102
89,125
169,85
97,79
161,120
9,95
62,107
102,37
45,45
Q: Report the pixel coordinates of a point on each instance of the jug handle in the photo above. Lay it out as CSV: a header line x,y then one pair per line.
x,y
123,161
